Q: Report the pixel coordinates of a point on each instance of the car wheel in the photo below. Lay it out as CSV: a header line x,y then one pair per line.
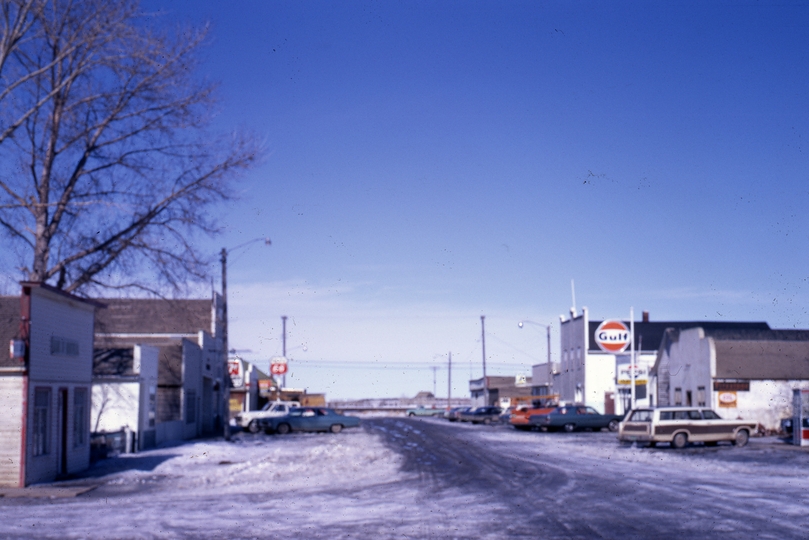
x,y
282,429
336,428
742,436
252,427
411,415
613,425
680,440
570,428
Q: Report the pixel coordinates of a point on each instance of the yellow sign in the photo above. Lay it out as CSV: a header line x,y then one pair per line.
x,y
727,399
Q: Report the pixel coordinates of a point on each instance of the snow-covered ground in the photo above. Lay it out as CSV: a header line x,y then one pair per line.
x,y
354,485
301,486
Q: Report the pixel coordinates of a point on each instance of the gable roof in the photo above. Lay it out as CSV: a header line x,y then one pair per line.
x,y
153,316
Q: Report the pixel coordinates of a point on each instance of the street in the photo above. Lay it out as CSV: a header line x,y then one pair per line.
x,y
427,478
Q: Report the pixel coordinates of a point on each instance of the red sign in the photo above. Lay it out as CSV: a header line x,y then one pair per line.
x,y
278,369
612,336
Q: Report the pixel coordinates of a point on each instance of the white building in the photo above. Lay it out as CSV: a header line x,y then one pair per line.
x,y
602,380
742,373
45,380
125,393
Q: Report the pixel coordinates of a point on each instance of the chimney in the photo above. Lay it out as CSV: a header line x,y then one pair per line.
x,y
645,316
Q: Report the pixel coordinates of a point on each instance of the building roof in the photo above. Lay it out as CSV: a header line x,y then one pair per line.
x,y
762,359
9,327
153,316
649,335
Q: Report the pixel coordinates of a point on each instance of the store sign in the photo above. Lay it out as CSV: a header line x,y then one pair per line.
x,y
727,399
236,373
612,336
278,365
625,374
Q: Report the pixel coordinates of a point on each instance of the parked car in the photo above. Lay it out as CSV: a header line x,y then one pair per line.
x,y
681,425
249,419
424,411
521,417
575,417
453,414
481,415
309,419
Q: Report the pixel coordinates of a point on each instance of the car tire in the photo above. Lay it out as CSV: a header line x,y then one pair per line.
x,y
742,436
336,428
613,425
283,429
679,441
570,428
411,415
253,427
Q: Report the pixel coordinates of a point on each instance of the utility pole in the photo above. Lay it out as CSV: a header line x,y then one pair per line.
x,y
483,343
226,370
449,382
284,344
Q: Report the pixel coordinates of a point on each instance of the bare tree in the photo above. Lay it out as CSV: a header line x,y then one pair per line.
x,y
107,169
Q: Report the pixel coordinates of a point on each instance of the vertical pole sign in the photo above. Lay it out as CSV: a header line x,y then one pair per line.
x,y
612,336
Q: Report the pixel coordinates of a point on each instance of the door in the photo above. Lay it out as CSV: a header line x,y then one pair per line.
x,y
63,426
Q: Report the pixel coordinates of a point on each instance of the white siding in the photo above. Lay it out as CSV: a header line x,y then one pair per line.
x,y
54,315
11,405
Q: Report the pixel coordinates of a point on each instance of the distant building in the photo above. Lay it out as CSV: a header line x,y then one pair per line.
x,y
45,382
589,375
742,372
125,393
247,382
190,372
499,391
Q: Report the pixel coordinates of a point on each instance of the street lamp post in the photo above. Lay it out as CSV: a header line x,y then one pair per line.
x,y
547,327
225,373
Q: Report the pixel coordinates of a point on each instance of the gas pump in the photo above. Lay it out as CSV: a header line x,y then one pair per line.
x,y
800,417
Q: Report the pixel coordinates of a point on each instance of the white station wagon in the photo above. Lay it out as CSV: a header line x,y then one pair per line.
x,y
681,425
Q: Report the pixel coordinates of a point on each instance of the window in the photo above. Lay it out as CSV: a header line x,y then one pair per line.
x,y
667,415
700,396
710,415
42,410
190,407
694,415
688,398
645,416
79,416
64,347
678,396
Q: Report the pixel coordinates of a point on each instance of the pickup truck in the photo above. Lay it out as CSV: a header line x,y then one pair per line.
x,y
249,419
423,411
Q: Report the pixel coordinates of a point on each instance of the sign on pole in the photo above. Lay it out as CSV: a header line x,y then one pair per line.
x,y
278,365
612,336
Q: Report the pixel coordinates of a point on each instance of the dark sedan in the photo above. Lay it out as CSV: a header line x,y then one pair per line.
x,y
481,415
309,419
572,418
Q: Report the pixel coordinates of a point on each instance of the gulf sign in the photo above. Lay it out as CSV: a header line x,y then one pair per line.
x,y
612,336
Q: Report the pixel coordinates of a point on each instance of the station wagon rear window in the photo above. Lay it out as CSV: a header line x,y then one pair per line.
x,y
642,416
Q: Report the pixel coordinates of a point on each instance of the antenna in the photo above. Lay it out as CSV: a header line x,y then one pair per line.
x,y
573,294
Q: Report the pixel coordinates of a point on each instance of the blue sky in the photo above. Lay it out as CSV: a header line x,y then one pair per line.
x,y
431,162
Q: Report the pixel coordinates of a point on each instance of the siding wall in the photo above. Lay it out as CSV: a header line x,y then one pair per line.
x,y
54,314
11,406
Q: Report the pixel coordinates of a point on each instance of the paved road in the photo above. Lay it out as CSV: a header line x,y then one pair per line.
x,y
585,485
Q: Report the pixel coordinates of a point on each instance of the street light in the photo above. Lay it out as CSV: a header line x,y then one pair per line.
x,y
225,374
547,327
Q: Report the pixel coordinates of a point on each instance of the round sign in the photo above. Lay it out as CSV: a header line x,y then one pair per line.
x,y
278,369
612,336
